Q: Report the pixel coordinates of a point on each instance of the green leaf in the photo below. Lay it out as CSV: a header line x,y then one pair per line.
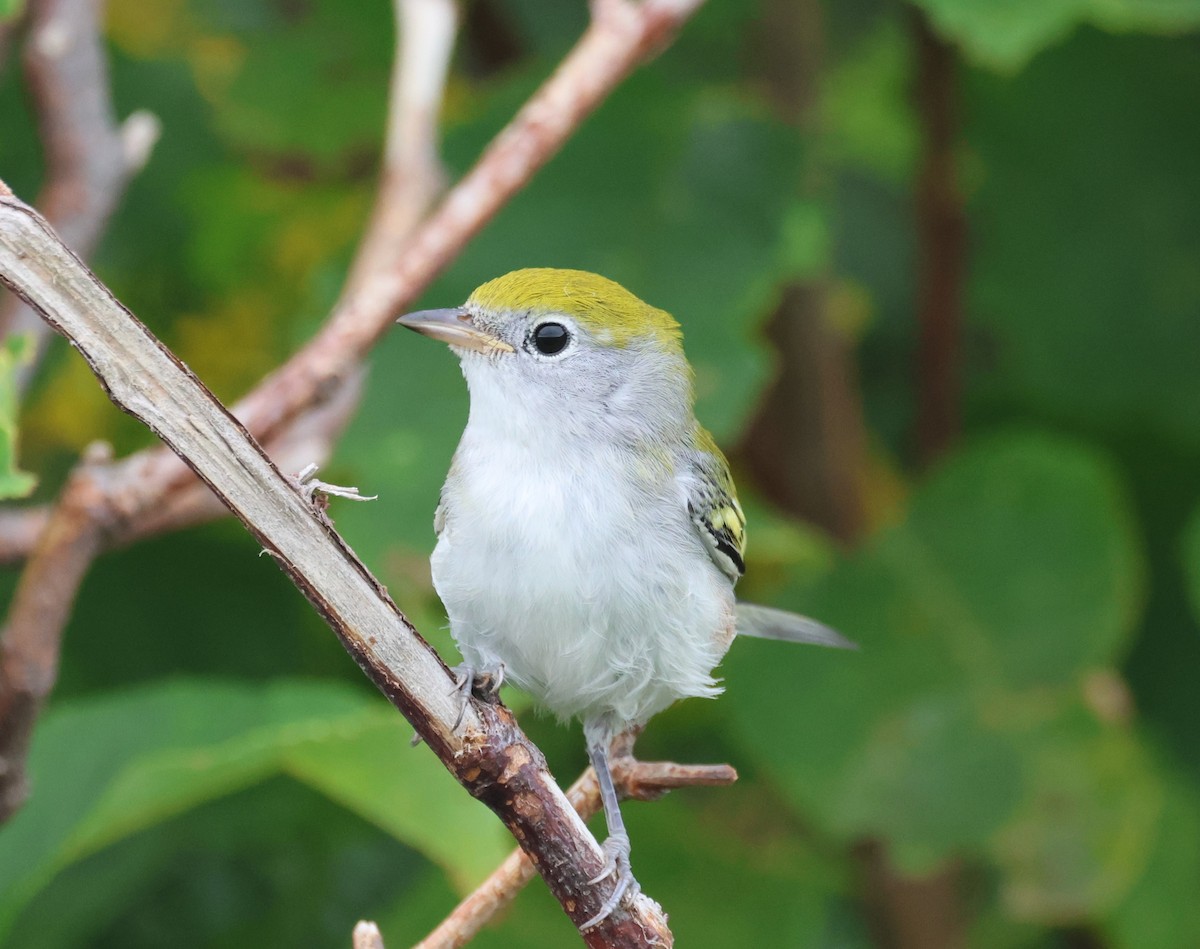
x,y
1005,34
1027,551
980,617
276,864
11,9
867,106
17,351
933,778
1058,281
1161,909
104,769
309,83
1084,834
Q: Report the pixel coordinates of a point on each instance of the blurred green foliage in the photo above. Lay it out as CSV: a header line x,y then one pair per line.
x,y
14,353
214,771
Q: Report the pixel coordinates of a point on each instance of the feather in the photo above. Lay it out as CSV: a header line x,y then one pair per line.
x,y
765,622
713,505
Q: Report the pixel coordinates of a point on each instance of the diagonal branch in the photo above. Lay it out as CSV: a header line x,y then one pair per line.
x,y
488,754
410,181
643,780
622,34
491,757
87,165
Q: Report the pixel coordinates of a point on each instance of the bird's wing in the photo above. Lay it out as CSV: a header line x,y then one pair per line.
x,y
713,504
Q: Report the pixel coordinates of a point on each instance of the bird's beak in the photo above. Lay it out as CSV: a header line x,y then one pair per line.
x,y
454,326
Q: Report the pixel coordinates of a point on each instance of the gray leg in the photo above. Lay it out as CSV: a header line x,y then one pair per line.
x,y
616,847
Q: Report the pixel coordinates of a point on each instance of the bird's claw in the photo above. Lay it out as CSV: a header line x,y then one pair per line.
x,y
309,486
470,681
616,864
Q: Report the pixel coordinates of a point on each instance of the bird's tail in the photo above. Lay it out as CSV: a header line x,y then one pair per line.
x,y
765,622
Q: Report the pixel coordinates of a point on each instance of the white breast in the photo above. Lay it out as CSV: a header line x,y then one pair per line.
x,y
591,587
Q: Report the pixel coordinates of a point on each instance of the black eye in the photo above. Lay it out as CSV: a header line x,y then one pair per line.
x,y
551,338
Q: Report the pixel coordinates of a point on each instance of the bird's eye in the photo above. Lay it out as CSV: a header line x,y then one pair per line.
x,y
550,338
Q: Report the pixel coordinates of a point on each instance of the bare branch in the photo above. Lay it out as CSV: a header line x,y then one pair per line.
x,y
30,640
621,35
90,158
412,175
410,181
152,489
32,644
309,439
488,754
643,780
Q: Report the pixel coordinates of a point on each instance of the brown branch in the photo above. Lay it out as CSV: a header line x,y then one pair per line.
x,y
36,633
509,773
488,753
621,35
807,444
641,780
410,181
89,158
309,439
942,246
412,174
31,638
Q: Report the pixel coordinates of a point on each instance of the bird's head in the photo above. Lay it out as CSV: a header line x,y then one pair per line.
x,y
567,344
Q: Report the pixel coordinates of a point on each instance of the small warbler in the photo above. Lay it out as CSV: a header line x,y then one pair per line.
x,y
589,534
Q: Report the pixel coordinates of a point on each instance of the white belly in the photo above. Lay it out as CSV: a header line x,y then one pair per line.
x,y
598,598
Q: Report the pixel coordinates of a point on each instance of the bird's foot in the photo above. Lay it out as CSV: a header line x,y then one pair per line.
x,y
616,864
310,486
484,684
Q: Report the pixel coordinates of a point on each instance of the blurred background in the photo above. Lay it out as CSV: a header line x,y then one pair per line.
x,y
938,268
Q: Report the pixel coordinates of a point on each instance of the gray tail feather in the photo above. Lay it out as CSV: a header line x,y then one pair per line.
x,y
765,622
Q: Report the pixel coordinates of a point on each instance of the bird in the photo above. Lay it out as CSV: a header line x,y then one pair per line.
x,y
589,535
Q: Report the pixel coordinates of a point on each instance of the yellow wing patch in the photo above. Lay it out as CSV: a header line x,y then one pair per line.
x,y
715,509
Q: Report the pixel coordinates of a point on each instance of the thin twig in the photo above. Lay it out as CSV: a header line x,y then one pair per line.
x,y
504,770
32,642
89,157
31,638
410,181
412,175
642,780
488,753
621,35
309,439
